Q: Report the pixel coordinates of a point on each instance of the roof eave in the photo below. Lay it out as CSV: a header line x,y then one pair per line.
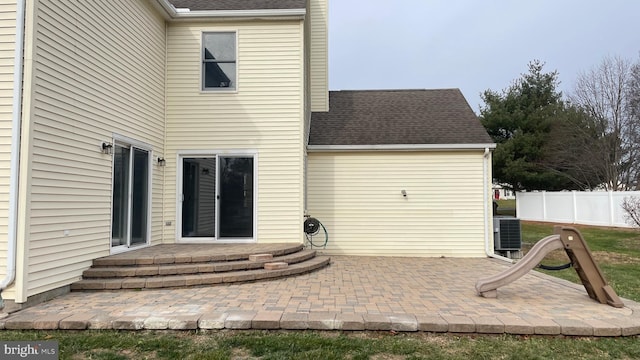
x,y
171,13
401,147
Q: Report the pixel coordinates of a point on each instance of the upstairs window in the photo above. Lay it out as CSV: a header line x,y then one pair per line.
x,y
219,61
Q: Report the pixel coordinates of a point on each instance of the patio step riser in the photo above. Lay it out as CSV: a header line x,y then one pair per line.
x,y
167,259
173,281
192,268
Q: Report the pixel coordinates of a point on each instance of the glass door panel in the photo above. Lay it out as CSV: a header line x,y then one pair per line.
x,y
236,197
139,197
199,197
120,207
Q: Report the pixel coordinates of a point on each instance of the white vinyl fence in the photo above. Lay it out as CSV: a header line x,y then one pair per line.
x,y
574,207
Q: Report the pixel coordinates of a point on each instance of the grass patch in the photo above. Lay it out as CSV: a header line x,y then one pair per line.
x,y
506,207
324,345
506,203
616,251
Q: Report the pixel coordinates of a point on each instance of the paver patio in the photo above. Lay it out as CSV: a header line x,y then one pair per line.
x,y
353,293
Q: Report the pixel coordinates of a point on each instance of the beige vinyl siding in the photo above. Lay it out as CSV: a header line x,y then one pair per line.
x,y
319,14
264,115
7,52
98,70
357,196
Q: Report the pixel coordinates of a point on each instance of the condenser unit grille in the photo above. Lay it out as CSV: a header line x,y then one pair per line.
x,y
507,234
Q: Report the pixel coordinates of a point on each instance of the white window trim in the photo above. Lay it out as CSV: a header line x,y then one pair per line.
x,y
204,90
121,139
214,153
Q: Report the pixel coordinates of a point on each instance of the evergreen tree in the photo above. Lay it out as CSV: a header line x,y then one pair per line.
x,y
520,120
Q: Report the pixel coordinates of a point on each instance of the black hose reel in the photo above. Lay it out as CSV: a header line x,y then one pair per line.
x,y
311,227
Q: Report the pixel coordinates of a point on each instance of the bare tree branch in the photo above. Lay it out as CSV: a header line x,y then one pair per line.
x,y
631,206
609,94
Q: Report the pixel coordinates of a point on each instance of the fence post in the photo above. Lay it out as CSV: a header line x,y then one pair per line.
x,y
611,210
574,215
544,205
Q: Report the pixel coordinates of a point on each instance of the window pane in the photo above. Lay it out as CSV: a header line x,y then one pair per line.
x,y
220,46
219,75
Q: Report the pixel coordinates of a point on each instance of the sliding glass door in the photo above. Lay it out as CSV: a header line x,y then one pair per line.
x,y
130,203
217,198
235,202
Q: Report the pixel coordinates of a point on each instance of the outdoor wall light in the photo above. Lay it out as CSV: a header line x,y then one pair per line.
x,y
162,161
107,148
404,193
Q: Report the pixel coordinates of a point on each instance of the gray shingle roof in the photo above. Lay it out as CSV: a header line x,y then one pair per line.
x,y
397,117
196,5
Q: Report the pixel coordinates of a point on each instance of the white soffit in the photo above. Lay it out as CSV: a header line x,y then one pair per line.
x,y
177,14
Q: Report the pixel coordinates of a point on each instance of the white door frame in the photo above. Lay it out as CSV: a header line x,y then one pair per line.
x,y
132,144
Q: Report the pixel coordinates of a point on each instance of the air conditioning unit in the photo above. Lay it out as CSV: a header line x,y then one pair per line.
x,y
506,233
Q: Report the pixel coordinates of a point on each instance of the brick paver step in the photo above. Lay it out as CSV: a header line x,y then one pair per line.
x,y
259,257
195,253
192,268
182,280
276,265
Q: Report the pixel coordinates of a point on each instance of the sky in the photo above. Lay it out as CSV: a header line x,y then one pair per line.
x,y
473,45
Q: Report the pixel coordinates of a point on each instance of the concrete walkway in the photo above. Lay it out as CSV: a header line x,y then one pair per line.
x,y
353,293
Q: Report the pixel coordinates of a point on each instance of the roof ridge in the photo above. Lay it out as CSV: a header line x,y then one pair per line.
x,y
392,90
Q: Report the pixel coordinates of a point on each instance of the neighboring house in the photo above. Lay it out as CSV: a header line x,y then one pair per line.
x,y
501,192
131,123
404,172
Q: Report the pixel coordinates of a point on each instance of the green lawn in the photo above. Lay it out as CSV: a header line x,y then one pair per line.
x,y
617,252
324,345
506,207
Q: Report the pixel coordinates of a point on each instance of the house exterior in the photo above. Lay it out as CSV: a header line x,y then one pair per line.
x,y
402,173
151,121
132,123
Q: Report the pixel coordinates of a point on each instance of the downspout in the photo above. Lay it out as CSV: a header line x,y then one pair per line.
x,y
487,224
15,150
